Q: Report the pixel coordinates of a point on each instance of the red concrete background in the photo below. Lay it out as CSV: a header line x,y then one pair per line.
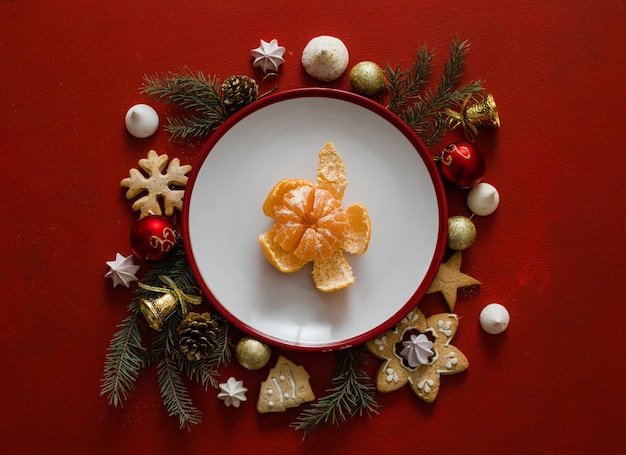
x,y
553,253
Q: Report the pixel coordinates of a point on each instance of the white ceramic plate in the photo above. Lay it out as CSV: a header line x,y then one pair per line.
x,y
389,171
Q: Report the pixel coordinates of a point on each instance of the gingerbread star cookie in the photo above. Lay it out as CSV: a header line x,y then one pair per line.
x,y
449,278
418,351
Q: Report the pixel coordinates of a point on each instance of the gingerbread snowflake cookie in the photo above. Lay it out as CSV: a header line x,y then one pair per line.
x,y
418,351
286,386
168,186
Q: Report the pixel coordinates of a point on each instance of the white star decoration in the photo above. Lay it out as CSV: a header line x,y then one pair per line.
x,y
122,270
268,56
232,392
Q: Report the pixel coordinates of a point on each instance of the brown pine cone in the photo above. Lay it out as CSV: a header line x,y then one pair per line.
x,y
197,336
239,91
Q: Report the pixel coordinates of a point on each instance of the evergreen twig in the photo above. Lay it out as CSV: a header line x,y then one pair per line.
x,y
192,91
128,356
352,394
174,393
124,360
406,85
420,106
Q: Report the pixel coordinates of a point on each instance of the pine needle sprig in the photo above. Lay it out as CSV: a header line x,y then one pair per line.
x,y
174,393
406,85
421,107
124,360
127,356
191,127
193,91
351,394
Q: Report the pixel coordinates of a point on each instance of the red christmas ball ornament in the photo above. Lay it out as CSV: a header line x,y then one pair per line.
x,y
153,238
462,163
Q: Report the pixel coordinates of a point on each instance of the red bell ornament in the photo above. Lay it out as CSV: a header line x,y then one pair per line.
x,y
153,238
462,163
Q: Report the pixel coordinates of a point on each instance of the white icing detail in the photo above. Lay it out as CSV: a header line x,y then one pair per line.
x,y
280,391
391,375
281,377
270,392
410,318
286,395
381,342
426,385
293,386
452,362
444,327
270,403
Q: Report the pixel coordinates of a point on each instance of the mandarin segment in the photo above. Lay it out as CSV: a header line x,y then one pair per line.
x,y
282,260
331,173
357,236
278,192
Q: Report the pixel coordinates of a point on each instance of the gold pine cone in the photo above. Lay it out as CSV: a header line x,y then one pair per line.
x,y
239,91
197,336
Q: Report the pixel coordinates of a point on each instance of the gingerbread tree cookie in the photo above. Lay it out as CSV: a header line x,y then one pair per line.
x,y
286,386
418,351
157,185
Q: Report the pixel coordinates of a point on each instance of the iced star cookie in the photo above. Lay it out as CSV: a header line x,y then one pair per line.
x,y
417,352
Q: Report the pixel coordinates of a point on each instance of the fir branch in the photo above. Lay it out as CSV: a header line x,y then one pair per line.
x,y
352,394
174,393
124,360
189,90
192,91
405,86
191,126
423,108
128,356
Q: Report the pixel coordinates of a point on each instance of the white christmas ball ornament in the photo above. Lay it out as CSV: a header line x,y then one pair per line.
x,y
494,318
325,58
142,120
483,199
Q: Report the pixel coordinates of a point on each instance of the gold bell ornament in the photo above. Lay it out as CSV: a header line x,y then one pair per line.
x,y
483,113
157,310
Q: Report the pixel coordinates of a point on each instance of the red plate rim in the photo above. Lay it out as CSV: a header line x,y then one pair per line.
x,y
400,126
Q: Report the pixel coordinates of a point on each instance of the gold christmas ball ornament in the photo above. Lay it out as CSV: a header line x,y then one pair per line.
x,y
461,233
252,354
367,78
